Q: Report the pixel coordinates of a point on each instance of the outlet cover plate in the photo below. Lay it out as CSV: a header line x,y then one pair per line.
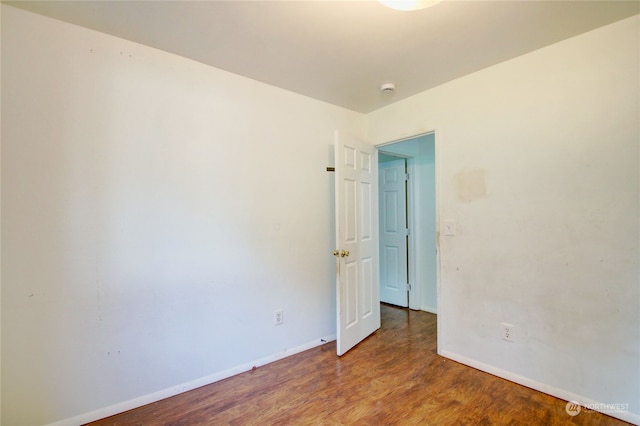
x,y
506,332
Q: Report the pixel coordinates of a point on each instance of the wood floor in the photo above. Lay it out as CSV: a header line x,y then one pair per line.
x,y
394,377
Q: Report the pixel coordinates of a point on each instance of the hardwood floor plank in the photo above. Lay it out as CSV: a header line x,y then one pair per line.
x,y
394,377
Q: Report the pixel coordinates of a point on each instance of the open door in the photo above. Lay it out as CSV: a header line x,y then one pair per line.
x,y
394,231
357,265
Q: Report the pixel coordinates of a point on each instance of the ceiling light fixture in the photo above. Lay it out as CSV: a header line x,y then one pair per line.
x,y
408,4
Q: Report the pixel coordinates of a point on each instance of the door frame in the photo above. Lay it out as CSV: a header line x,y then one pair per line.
x,y
416,295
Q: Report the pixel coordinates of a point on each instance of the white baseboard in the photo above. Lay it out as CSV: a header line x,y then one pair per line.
x,y
430,309
185,387
544,388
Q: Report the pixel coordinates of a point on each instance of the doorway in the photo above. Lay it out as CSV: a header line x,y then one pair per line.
x,y
419,235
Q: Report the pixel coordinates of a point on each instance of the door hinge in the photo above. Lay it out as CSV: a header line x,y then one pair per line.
x,y
407,232
408,287
406,176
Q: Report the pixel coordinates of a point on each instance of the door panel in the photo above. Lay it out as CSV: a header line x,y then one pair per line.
x,y
350,281
393,237
358,292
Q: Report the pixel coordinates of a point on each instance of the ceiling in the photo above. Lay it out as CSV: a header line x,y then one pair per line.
x,y
342,51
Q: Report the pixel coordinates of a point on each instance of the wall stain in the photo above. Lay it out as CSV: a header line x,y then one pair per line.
x,y
471,185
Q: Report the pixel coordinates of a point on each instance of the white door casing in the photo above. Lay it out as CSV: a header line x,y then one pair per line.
x,y
393,233
358,292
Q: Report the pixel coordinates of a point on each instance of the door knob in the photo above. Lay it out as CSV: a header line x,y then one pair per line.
x,y
341,253
336,253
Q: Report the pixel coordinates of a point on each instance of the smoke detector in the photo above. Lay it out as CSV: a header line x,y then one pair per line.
x,y
388,88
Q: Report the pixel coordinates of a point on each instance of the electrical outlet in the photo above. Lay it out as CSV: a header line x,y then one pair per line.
x,y
278,317
506,332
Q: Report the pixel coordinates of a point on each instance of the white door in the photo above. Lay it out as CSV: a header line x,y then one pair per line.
x,y
358,297
393,233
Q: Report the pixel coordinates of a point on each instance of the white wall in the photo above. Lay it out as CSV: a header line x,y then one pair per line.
x,y
537,162
156,212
